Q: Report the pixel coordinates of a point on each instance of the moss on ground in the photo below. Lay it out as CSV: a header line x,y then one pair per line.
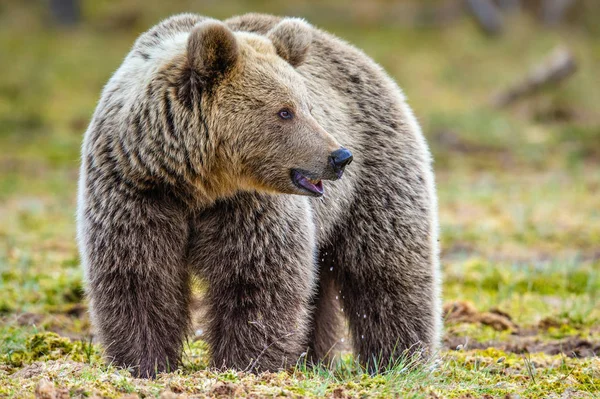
x,y
76,368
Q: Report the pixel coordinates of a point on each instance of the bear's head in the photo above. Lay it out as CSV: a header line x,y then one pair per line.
x,y
257,129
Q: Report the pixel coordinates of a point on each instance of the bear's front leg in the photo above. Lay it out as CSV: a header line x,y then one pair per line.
x,y
133,248
257,254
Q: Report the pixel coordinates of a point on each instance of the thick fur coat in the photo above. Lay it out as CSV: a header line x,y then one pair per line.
x,y
205,157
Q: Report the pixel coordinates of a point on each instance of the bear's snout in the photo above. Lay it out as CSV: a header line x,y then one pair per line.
x,y
339,159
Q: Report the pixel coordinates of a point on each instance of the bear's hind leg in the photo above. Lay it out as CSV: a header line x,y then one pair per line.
x,y
386,267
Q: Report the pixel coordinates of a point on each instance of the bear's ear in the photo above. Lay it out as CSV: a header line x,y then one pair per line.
x,y
292,38
212,49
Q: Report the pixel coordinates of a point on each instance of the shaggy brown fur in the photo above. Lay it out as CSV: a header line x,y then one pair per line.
x,y
187,167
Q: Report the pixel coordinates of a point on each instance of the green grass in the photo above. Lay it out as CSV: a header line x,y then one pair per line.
x,y
519,197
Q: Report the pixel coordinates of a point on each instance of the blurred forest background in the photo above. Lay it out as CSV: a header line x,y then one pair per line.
x,y
508,95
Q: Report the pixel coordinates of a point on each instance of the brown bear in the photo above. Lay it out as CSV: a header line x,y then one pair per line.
x,y
206,157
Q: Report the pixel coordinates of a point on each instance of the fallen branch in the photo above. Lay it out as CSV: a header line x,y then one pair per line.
x,y
553,11
557,67
487,15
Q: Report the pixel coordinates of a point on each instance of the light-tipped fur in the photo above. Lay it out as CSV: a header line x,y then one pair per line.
x,y
186,171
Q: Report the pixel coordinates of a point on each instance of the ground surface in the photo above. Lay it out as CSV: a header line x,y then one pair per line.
x,y
519,195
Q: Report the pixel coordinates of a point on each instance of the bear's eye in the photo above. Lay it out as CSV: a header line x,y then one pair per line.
x,y
285,114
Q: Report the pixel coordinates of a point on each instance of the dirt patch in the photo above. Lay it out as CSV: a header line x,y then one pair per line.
x,y
224,390
574,347
28,319
73,323
30,371
39,368
46,390
465,312
571,347
522,340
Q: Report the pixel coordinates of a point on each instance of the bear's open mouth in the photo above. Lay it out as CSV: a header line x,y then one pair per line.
x,y
314,186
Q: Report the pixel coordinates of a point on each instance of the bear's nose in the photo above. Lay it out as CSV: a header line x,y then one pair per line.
x,y
339,159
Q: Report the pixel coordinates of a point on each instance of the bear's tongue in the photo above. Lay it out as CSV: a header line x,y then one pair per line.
x,y
314,186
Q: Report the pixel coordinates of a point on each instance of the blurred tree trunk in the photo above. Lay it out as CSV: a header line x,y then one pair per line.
x,y
509,5
487,15
553,11
65,12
